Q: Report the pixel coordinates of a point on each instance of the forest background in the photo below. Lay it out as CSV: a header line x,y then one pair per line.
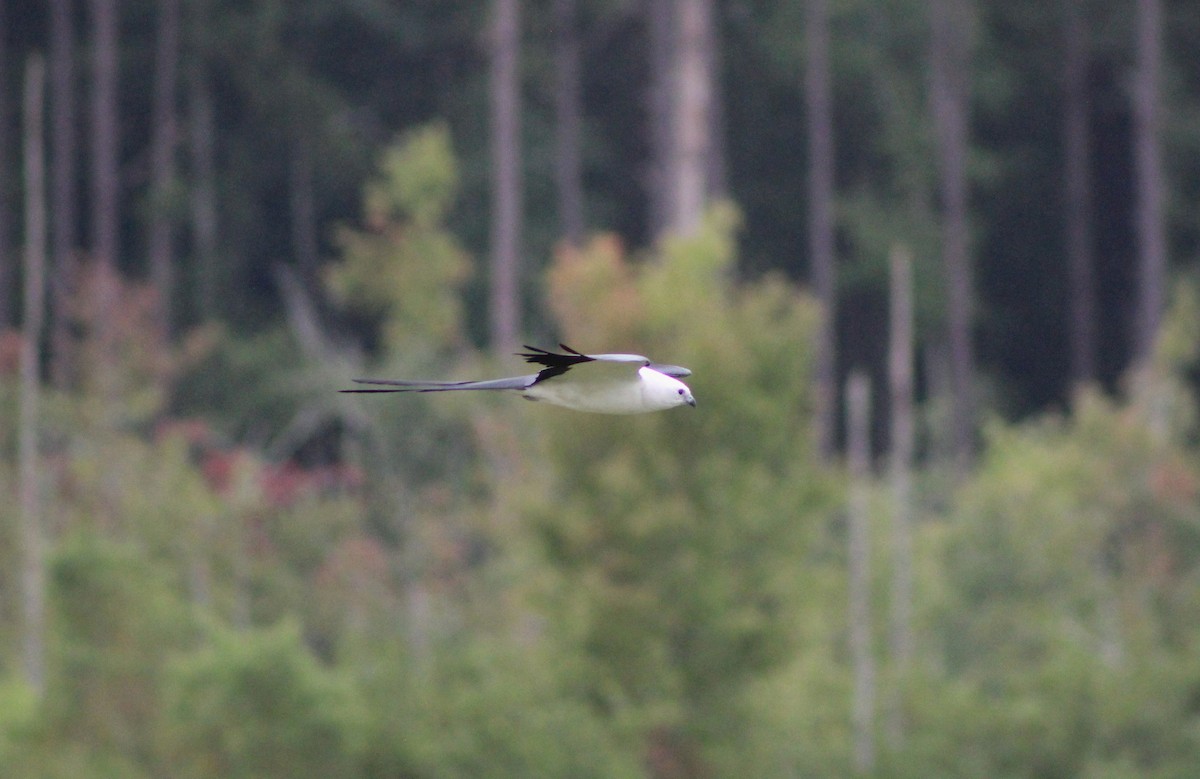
x,y
931,261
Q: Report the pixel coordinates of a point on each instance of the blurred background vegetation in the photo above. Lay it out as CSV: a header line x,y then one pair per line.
x,y
932,263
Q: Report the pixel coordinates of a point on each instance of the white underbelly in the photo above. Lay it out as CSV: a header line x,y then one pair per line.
x,y
605,398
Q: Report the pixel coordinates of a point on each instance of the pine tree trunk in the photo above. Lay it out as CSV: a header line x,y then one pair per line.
x,y
1077,153
106,189
1150,181
105,196
64,161
858,424
304,213
203,200
901,355
949,63
691,122
820,216
163,165
7,257
506,175
568,110
660,99
33,607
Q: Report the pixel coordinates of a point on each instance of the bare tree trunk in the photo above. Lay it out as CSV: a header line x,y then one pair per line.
x,y
163,163
304,213
949,60
820,216
1150,180
506,175
1077,153
105,194
691,121
33,576
660,25
64,188
7,258
568,110
104,134
903,444
204,178
858,409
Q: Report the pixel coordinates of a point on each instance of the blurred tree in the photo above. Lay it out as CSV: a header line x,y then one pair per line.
x,y
951,32
507,187
821,224
163,144
1151,183
116,619
33,574
64,187
201,132
8,261
678,558
254,704
1077,154
568,116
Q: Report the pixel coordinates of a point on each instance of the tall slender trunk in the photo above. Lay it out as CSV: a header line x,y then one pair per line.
x,y
660,99
858,424
163,164
1077,155
33,606
949,61
7,258
818,103
568,110
201,129
105,194
1150,180
903,444
691,121
64,161
506,175
304,212
105,197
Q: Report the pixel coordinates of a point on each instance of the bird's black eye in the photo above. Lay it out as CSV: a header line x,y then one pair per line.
x,y
679,391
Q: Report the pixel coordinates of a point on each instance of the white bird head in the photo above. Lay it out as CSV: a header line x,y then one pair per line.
x,y
665,391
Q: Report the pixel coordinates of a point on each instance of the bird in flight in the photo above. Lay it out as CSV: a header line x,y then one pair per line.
x,y
600,383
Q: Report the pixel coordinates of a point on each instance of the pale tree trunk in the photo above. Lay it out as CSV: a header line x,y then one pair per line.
x,y
820,216
949,63
690,157
901,354
568,111
506,175
33,575
64,160
163,163
105,194
1150,180
203,200
304,213
858,450
7,258
660,27
1077,155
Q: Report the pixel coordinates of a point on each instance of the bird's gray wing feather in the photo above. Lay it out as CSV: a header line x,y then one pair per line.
x,y
511,383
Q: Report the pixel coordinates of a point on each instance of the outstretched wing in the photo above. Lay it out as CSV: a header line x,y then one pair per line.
x,y
556,364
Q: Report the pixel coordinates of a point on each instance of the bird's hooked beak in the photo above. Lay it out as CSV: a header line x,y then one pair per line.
x,y
691,401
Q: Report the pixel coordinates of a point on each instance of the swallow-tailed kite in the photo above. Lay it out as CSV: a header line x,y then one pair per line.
x,y
601,383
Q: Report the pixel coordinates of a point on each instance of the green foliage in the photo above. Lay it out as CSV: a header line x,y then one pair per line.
x,y
257,704
677,537
403,266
